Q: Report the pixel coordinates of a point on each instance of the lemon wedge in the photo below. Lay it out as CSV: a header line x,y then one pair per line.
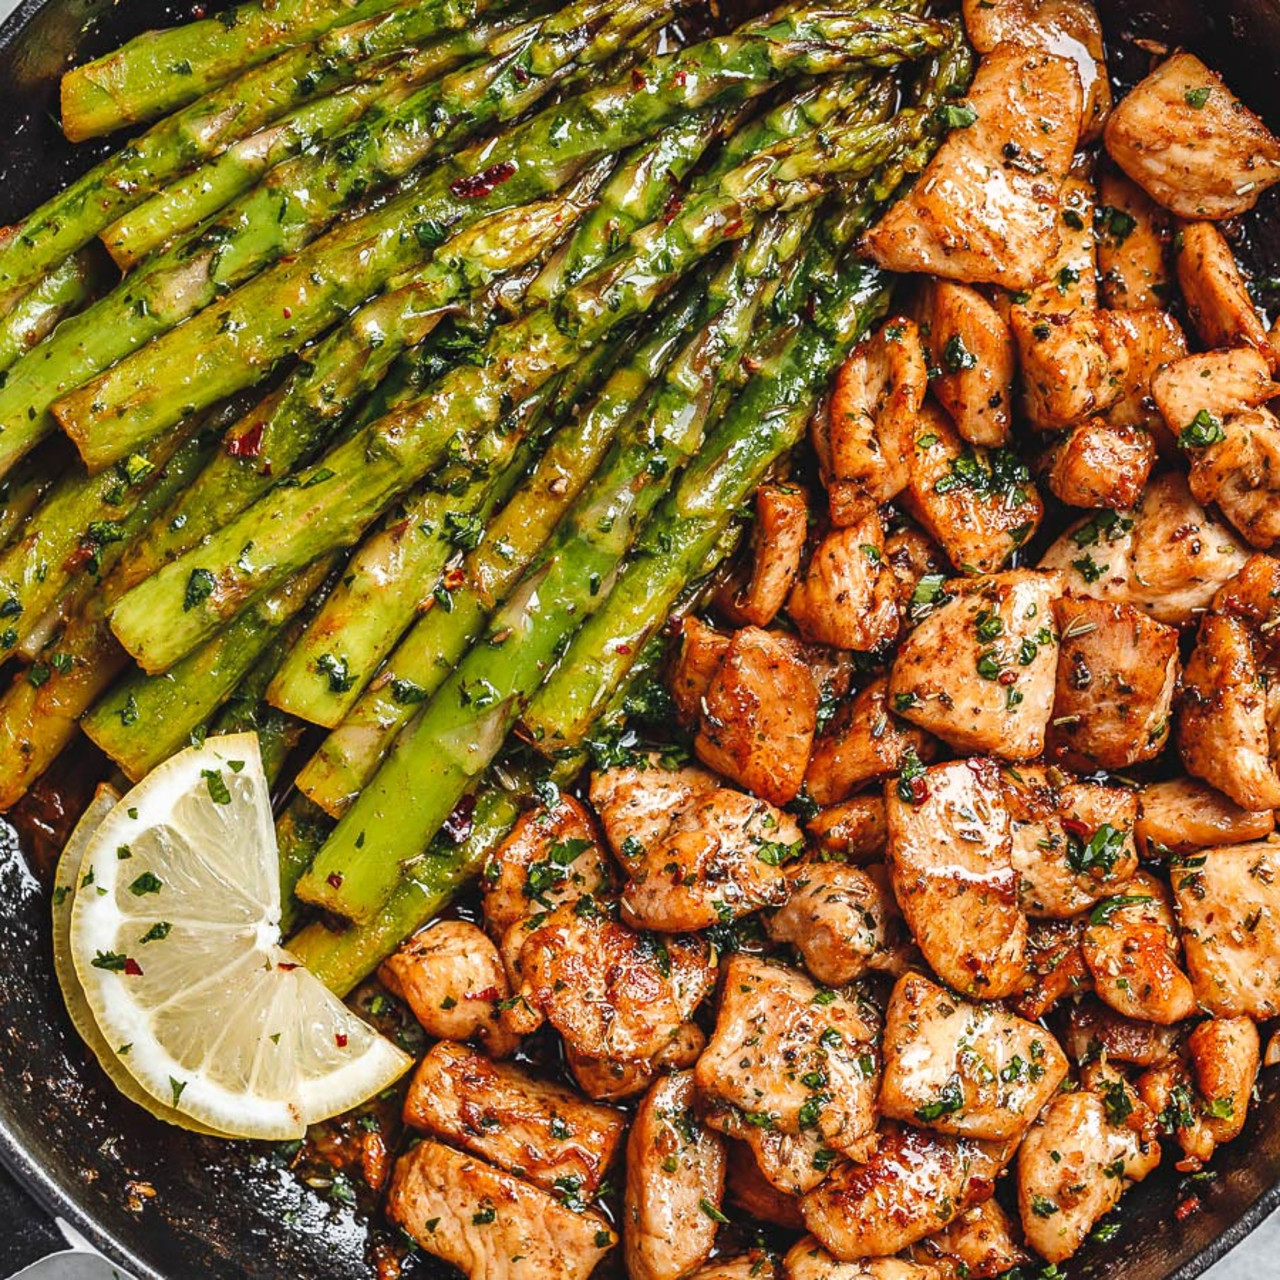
x,y
175,941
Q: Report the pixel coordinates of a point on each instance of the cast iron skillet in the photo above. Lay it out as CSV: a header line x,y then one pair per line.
x,y
166,1204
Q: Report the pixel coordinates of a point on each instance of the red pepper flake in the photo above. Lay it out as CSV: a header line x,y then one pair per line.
x,y
734,228
1188,1207
460,823
287,312
483,183
340,1039
623,649
198,11
132,968
488,993
919,791
1007,677
334,879
673,206
286,967
638,81
248,444
1074,827
454,578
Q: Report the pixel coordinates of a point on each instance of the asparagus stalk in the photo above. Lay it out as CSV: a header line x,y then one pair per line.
x,y
269,442
22,490
160,71
350,755
31,319
144,719
391,577
461,729
74,216
150,390
337,499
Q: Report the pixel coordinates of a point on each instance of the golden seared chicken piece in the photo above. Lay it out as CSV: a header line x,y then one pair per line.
x,y
1229,909
1072,841
1073,364
979,505
1067,27
1169,1090
1134,234
1069,283
1191,144
808,1260
1055,966
759,714
985,210
914,557
1225,1054
1117,675
963,1068
1236,463
1168,562
1077,1161
552,855
611,991
843,921
489,1224
980,1244
979,671
1217,298
1183,815
675,1179
1131,948
778,538
453,979
855,831
863,742
698,658
614,1079
1098,465
973,359
1223,734
756,1265
789,1057
1151,339
847,597
791,1163
950,857
695,853
913,1185
748,1189
864,442
1198,388
541,1132
1095,1029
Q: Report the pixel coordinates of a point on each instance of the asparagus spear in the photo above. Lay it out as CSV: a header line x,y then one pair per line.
x,y
144,719
267,444
150,390
31,319
160,71
22,490
351,753
461,729
338,498
138,170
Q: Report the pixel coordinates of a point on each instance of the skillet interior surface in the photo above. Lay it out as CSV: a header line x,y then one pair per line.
x,y
163,1203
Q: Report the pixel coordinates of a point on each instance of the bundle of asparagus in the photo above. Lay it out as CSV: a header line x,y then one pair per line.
x,y
453,340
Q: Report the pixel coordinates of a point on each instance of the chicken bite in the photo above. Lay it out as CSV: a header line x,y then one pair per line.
x,y
985,209
1191,144
748,1189
615,1079
973,360
855,831
1150,340
756,1265
1225,1054
1098,465
1074,364
695,853
913,1185
847,596
808,1260
979,505
759,713
979,671
963,1068
1095,1029
1117,674
1182,815
1229,909
843,921
778,538
1131,948
675,1170
698,658
1199,388
1055,966
453,979
1236,463
489,1224
1077,1161
863,442
950,857
980,1244
1214,290
1134,234
541,1132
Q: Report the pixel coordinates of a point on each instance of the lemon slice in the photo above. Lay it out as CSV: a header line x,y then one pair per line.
x,y
175,940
